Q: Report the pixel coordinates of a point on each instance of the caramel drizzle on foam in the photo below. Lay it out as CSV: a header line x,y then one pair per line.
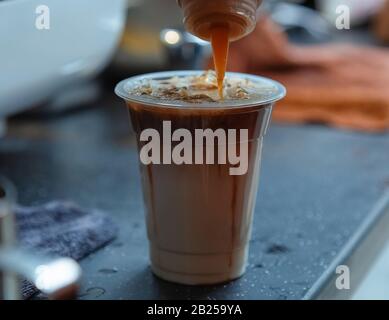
x,y
194,89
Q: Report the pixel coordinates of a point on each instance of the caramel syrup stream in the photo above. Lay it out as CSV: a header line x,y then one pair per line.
x,y
220,42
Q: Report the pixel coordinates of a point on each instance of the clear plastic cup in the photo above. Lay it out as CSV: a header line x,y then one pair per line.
x,y
199,215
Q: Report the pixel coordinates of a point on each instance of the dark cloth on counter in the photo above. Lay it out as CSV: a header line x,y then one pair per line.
x,y
62,229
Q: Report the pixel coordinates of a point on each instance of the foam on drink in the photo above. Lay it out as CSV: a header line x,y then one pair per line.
x,y
203,88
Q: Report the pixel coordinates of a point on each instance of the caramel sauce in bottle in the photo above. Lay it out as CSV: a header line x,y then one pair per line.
x,y
220,21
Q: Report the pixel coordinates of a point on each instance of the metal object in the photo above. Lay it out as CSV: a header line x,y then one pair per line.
x,y
3,127
57,278
9,285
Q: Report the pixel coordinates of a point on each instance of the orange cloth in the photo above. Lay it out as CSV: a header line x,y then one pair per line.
x,y
341,85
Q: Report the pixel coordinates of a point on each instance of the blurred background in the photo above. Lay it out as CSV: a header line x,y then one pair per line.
x,y
65,67
65,135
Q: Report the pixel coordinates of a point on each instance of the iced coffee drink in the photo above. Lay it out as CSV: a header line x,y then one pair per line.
x,y
199,158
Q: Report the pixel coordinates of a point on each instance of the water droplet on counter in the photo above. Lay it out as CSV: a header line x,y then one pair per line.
x,y
93,292
277,249
108,270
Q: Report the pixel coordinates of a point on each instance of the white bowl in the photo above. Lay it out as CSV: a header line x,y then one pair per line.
x,y
35,64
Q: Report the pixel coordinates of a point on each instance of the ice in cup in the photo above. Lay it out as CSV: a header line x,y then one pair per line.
x,y
199,213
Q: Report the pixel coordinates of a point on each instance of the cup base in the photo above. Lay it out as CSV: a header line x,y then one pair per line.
x,y
198,269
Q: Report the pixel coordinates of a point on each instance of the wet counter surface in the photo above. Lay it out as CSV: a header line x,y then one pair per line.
x,y
317,187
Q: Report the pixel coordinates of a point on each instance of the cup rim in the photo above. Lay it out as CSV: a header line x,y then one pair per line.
x,y
120,90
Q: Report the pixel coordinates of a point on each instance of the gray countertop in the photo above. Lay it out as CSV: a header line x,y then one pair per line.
x,y
317,187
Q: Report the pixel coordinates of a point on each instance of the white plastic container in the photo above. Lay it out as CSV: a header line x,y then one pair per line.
x,y
35,64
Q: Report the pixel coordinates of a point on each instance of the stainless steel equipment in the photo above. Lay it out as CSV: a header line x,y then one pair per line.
x,y
58,278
